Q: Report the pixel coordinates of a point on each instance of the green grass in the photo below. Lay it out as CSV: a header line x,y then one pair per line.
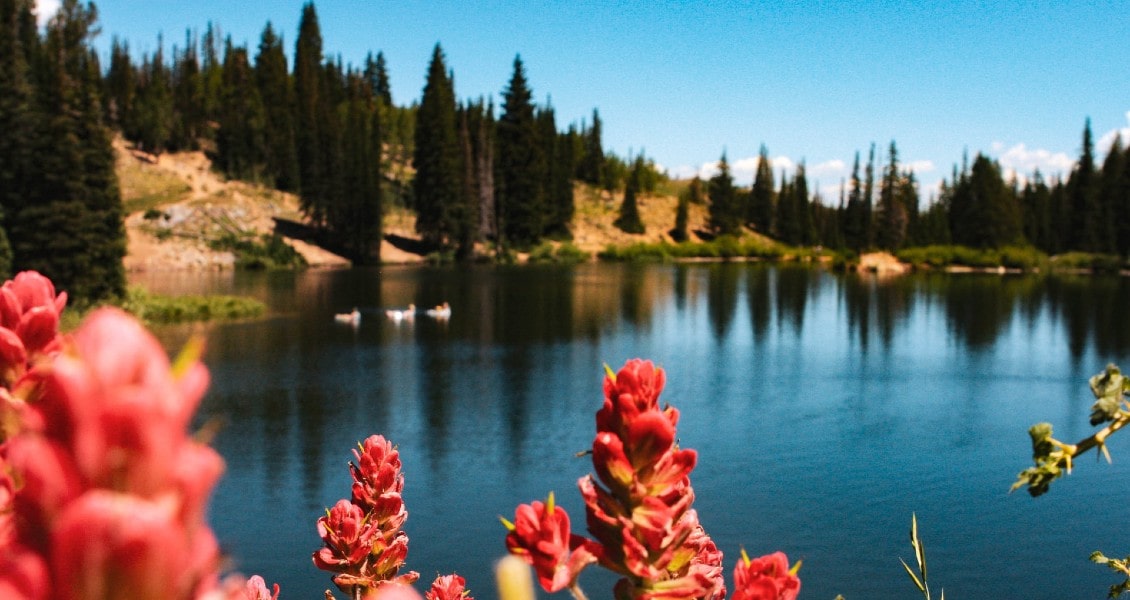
x,y
269,252
159,309
1086,261
938,256
144,189
722,248
564,253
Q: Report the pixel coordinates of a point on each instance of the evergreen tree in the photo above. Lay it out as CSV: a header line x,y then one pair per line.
x,y
376,73
629,219
1122,212
725,215
682,215
481,128
70,226
891,218
760,207
467,210
869,199
558,187
983,211
1061,236
591,165
310,113
120,88
356,215
241,150
1036,205
437,187
188,120
803,207
1111,197
856,213
211,74
521,164
18,122
275,88
152,121
1087,214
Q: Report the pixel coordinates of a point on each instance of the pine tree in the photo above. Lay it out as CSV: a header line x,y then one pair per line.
x,y
1087,214
70,227
760,207
1123,209
725,217
483,144
629,219
241,150
1110,196
356,215
1036,203
521,164
188,119
376,73
275,88
682,215
436,188
310,113
558,188
120,89
984,213
855,213
18,122
153,110
891,218
591,165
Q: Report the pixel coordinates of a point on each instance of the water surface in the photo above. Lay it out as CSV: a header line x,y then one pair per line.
x,y
826,409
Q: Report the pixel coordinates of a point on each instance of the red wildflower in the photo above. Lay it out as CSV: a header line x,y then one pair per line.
x,y
378,482
765,578
448,587
540,535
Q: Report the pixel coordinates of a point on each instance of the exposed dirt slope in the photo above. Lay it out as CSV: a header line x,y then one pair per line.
x,y
191,204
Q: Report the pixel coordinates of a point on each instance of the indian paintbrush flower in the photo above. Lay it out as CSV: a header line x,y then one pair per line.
x,y
765,578
107,489
363,542
637,508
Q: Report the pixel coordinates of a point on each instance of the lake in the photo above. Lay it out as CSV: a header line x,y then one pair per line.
x,y
826,410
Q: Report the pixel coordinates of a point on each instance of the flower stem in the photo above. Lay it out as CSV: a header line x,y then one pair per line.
x,y
578,593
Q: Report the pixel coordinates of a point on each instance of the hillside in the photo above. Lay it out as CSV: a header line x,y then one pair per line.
x,y
175,204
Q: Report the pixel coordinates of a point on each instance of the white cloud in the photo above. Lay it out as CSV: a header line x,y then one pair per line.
x,y
1020,161
45,9
920,166
827,169
1102,148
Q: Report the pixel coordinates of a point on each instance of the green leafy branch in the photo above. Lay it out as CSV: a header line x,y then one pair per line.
x,y
1118,565
1053,458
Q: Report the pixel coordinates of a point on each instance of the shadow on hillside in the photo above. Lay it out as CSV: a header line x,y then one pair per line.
x,y
313,235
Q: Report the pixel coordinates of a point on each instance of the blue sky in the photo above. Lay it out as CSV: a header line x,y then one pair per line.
x,y
685,81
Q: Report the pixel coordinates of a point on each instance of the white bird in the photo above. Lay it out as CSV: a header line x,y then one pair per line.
x,y
350,318
406,314
443,311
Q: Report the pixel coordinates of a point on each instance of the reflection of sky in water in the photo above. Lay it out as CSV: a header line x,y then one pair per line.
x,y
825,410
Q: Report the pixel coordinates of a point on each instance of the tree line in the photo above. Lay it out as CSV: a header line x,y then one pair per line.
x,y
331,133
977,206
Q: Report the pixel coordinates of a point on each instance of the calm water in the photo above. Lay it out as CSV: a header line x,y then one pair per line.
x,y
825,410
